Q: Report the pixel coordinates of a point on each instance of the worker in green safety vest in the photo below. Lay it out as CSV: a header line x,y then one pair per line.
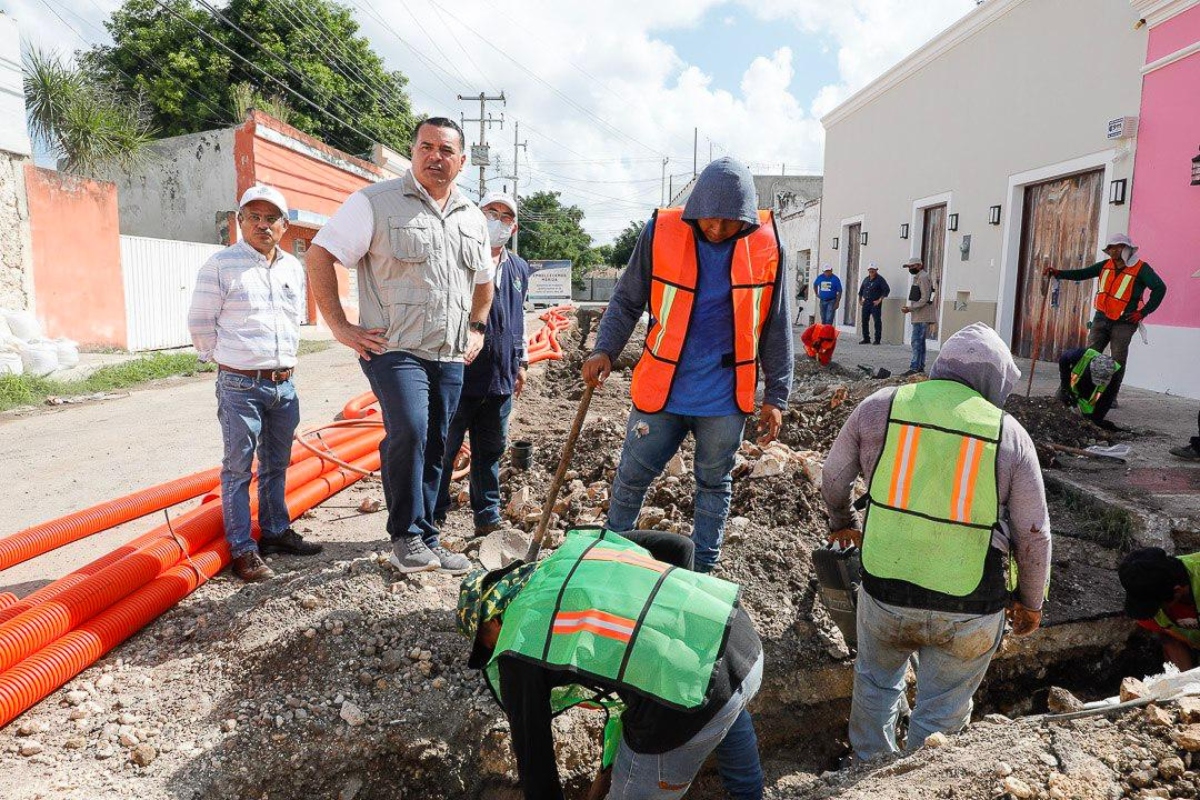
x,y
670,653
1160,593
954,490
1087,381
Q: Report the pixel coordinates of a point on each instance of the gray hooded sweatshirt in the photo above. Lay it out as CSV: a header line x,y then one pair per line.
x,y
724,190
975,356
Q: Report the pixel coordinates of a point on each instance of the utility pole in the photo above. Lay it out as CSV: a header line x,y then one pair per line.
x,y
695,144
663,191
481,159
517,145
710,151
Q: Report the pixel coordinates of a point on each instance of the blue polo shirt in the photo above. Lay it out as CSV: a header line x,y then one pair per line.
x,y
828,288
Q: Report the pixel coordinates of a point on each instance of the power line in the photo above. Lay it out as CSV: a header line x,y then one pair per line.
x,y
430,63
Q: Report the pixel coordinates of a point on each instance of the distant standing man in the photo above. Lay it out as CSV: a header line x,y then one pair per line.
x,y
829,294
495,378
874,288
953,490
712,276
245,316
923,311
1119,307
424,291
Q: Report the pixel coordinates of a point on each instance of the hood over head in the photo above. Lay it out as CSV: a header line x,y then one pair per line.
x,y
724,190
978,357
1129,251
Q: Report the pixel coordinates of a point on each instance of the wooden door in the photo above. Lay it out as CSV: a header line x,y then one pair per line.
x,y
850,281
1059,228
933,255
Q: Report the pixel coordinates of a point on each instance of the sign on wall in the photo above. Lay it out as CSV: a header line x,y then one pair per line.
x,y
550,282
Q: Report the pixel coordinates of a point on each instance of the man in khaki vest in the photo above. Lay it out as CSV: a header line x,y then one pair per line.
x,y
424,289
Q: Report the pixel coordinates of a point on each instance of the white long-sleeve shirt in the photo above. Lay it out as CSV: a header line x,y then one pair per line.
x,y
246,312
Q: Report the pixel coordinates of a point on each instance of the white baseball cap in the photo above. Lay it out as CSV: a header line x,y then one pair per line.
x,y
501,198
266,193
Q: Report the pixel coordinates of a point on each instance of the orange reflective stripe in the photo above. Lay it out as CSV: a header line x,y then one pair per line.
x,y
626,557
905,463
966,473
594,621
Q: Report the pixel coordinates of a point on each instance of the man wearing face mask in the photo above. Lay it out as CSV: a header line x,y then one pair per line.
x,y
712,276
495,378
922,310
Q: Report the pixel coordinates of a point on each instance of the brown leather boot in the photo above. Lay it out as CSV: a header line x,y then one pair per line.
x,y
251,568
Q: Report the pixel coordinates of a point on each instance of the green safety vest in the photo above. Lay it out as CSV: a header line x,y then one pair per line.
x,y
602,608
933,495
1088,404
1192,564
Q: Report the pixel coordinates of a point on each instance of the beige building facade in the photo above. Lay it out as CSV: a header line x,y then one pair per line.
x,y
987,152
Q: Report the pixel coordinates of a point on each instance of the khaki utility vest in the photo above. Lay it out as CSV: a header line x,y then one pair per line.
x,y
422,292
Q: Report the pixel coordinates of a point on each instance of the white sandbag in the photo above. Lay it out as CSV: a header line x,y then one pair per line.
x,y
40,357
10,363
68,353
23,325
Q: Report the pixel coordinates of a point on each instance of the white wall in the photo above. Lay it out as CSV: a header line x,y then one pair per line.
x,y
178,193
14,136
800,231
1016,92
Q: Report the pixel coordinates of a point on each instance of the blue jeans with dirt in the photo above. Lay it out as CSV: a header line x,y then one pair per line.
x,y
486,420
418,399
667,776
919,329
650,442
953,652
255,415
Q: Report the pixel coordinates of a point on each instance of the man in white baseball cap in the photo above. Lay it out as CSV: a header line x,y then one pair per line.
x,y
495,378
245,316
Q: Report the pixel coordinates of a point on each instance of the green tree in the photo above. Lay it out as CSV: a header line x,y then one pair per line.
x,y
550,230
85,122
312,47
622,246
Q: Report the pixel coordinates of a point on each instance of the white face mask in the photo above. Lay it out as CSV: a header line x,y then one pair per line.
x,y
499,232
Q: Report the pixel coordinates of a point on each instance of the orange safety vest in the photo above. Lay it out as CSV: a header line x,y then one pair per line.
x,y
1116,287
673,276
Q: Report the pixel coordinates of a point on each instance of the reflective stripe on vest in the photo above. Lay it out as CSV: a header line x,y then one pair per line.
x,y
1111,301
602,608
1087,404
673,278
925,525
1189,635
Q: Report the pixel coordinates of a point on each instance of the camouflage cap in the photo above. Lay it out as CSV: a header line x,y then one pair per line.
x,y
1102,368
484,595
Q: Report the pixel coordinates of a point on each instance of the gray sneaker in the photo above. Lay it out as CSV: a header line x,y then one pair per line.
x,y
410,554
453,563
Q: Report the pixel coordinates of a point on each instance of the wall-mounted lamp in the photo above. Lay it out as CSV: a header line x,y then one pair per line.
x,y
994,215
862,238
903,230
1196,170
835,243
1116,192
952,222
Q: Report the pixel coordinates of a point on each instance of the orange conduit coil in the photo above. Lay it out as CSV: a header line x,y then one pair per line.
x,y
49,619
32,679
7,599
357,407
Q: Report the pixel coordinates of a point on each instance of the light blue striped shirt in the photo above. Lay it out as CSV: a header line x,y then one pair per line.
x,y
245,312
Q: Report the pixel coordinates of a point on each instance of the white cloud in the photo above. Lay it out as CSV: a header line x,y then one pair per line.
x,y
621,97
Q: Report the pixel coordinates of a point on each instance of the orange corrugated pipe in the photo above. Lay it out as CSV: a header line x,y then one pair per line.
x,y
32,679
7,599
76,577
49,619
357,407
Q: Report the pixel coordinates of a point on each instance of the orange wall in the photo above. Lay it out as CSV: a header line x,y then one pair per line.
x,y
78,289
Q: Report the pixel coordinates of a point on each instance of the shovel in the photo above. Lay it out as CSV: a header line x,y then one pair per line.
x,y
501,548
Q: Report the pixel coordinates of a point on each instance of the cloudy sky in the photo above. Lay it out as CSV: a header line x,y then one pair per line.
x,y
604,90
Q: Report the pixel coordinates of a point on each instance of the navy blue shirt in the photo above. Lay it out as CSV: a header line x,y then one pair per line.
x,y
494,370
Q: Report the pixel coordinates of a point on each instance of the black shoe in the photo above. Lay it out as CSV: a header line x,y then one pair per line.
x,y
491,527
1105,425
1187,452
289,542
876,341
251,568
866,341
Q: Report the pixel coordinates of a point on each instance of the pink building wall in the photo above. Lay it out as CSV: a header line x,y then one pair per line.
x,y
1165,211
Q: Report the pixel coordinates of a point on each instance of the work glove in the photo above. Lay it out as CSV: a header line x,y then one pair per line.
x,y
1134,316
1024,620
846,537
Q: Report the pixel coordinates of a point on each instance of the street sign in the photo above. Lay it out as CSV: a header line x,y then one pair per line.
x,y
550,282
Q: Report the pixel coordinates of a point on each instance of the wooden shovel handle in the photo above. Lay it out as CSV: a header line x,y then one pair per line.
x,y
564,461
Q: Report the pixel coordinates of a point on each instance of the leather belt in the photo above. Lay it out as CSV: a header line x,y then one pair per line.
x,y
273,375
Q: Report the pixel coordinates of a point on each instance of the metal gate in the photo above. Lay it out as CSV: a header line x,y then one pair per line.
x,y
160,276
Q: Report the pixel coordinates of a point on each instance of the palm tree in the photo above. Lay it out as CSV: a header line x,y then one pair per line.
x,y
83,121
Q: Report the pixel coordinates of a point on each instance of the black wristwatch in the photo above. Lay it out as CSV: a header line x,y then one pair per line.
x,y
478,327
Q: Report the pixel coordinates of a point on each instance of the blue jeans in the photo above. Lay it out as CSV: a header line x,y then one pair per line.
x,y
255,415
954,651
486,419
918,345
828,310
418,399
669,775
650,441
